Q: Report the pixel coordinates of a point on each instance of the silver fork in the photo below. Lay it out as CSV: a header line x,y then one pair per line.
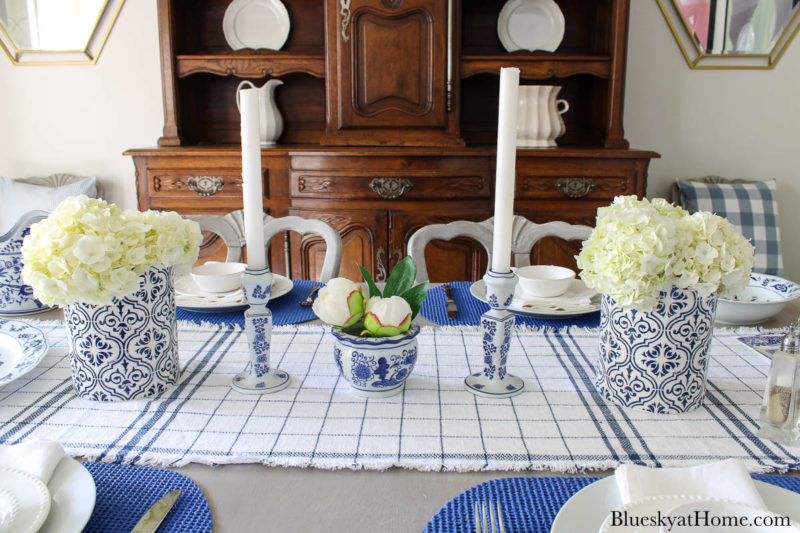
x,y
310,298
495,523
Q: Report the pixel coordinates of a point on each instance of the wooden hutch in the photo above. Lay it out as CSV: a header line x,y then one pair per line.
x,y
390,111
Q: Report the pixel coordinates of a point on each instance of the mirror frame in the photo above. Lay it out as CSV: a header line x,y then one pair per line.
x,y
87,56
697,58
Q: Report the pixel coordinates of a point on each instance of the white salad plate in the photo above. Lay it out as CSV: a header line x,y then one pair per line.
x,y
256,24
73,494
189,296
22,347
764,297
32,500
530,25
478,290
588,508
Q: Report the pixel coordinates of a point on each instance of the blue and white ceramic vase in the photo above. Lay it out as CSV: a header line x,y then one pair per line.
x,y
656,361
376,367
128,349
16,298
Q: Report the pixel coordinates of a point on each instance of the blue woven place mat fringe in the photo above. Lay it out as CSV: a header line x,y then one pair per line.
x,y
285,310
470,309
530,504
125,493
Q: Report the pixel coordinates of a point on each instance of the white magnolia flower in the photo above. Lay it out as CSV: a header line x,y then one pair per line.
x,y
340,303
385,317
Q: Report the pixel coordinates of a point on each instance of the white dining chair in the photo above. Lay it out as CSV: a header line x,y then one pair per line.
x,y
230,228
525,234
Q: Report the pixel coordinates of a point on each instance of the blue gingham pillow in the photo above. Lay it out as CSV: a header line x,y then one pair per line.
x,y
751,207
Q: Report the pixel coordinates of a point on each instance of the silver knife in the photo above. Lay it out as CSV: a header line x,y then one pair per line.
x,y
157,513
452,308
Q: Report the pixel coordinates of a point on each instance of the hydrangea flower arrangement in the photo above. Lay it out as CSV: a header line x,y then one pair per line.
x,y
343,304
640,248
91,251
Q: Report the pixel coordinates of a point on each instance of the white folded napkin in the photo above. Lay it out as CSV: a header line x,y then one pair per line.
x,y
727,479
577,297
39,457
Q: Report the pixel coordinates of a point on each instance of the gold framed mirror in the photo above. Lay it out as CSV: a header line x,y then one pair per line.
x,y
56,32
732,34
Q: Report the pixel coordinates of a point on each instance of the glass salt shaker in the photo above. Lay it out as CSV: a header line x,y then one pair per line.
x,y
779,409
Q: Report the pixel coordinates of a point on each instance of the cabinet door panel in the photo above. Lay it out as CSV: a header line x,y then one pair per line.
x,y
363,238
457,260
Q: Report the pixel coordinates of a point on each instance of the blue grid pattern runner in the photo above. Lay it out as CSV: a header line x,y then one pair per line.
x,y
559,423
125,493
470,309
529,504
285,309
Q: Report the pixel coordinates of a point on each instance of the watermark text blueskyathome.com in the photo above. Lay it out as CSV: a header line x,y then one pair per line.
x,y
696,518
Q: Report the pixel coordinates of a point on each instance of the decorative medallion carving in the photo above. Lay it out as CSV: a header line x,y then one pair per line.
x,y
390,188
467,184
337,221
313,184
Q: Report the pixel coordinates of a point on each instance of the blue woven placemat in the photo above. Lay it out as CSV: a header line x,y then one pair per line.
x,y
530,504
470,309
285,309
125,493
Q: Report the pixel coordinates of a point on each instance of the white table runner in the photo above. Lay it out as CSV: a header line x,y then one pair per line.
x,y
559,423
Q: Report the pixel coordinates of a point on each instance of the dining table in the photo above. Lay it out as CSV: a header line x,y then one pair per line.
x,y
287,491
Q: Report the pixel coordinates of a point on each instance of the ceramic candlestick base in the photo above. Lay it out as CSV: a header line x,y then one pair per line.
x,y
498,324
258,377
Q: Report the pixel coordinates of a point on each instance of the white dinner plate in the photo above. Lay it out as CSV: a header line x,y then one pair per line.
x,y
32,497
22,347
73,494
189,296
256,24
530,25
478,290
588,508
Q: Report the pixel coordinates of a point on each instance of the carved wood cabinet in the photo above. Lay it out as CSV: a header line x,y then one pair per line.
x,y
390,112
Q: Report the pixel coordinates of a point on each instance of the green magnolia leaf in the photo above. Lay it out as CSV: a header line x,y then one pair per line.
x,y
415,296
401,278
373,289
356,329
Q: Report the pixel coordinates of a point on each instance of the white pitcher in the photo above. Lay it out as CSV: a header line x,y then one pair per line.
x,y
540,123
269,118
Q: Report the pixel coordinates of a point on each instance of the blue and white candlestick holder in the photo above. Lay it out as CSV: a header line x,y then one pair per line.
x,y
258,377
498,325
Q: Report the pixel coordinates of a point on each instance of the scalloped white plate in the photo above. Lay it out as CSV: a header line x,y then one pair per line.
x,y
33,499
73,495
22,347
530,25
256,24
478,291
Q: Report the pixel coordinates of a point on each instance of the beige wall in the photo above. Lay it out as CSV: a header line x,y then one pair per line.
x,y
732,123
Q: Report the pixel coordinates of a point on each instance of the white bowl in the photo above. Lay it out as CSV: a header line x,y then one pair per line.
x,y
218,277
544,281
764,297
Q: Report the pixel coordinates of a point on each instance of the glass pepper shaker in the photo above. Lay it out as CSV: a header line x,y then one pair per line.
x,y
779,409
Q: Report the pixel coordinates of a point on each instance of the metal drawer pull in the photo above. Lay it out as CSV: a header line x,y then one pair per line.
x,y
380,268
205,185
575,187
345,12
390,188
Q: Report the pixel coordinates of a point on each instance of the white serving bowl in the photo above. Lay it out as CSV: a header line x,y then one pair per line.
x,y
218,277
764,297
544,281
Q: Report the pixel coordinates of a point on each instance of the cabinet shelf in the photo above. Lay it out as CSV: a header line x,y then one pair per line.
x,y
251,65
537,66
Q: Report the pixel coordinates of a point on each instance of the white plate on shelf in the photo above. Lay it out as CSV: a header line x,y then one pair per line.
x,y
256,24
588,508
22,347
530,25
73,494
32,499
189,296
478,290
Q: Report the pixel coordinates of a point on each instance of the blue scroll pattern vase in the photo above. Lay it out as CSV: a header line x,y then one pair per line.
x,y
128,349
376,367
656,361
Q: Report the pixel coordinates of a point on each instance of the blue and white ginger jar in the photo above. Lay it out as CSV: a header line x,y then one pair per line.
x,y
656,361
376,367
128,349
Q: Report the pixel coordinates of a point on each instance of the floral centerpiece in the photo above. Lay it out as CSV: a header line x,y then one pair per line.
x,y
376,345
112,270
660,270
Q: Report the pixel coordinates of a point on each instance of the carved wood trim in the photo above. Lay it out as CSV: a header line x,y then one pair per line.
x,y
313,184
205,185
539,68
251,66
573,187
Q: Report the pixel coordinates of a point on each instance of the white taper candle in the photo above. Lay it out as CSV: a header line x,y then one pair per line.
x,y
505,169
252,187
